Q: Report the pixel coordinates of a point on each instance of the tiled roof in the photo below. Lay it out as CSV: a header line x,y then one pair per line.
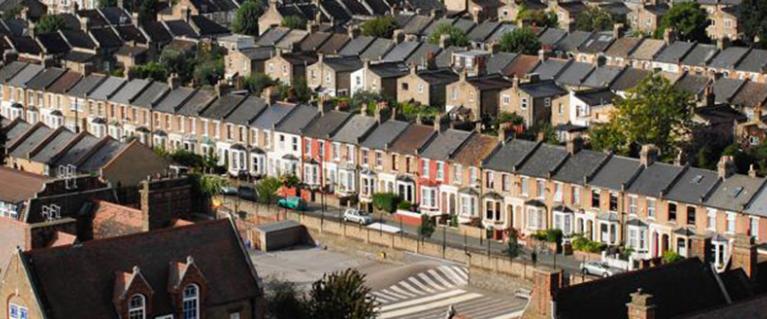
x,y
700,55
299,118
246,111
675,52
334,44
105,89
326,124
66,81
580,166
729,57
44,79
647,49
629,78
412,139
476,148
735,192
616,173
17,186
543,161
692,185
112,220
355,129
754,61
655,179
622,47
384,134
377,49
444,145
510,155
129,91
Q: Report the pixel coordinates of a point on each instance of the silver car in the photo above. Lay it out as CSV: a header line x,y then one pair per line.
x,y
357,216
598,268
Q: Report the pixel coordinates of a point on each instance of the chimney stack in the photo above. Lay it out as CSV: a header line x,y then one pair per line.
x,y
752,171
502,132
648,155
641,306
546,284
574,145
744,255
444,41
542,55
437,123
725,167
700,246
618,30
669,35
173,81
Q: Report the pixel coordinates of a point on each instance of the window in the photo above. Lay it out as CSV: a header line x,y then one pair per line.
x,y
576,195
505,182
405,86
711,219
671,211
440,171
336,150
632,205
753,227
425,168
506,99
17,312
730,223
489,180
558,192
523,103
350,153
191,302
473,172
457,173
523,186
613,202
690,215
420,88
493,210
650,208
308,147
429,197
295,144
547,102
595,198
540,189
455,93
364,156
136,307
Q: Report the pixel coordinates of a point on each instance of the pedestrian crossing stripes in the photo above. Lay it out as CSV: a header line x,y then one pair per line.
x,y
428,294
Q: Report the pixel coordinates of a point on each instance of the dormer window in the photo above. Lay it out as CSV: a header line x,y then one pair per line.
x,y
191,302
137,307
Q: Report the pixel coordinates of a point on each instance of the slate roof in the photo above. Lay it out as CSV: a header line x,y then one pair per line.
x,y
384,134
174,99
647,49
30,141
603,76
655,179
579,166
729,57
692,185
758,206
326,124
750,94
15,131
115,15
401,51
44,79
616,172
444,58
551,36
222,106
272,36
622,47
413,138
445,144
79,57
725,89
335,10
437,23
438,77
258,53
272,115
498,62
377,49
344,64
207,27
425,5
180,28
489,82
246,111
334,44
355,129
151,95
575,73
214,246
52,43
754,61
500,31
417,24
131,33
66,81
550,68
735,192
8,71
22,77
292,38
78,39
693,84
701,55
545,88
420,55
510,155
357,45
356,8
129,91
674,52
572,41
629,78
314,41
96,161
298,119
109,86
24,44
598,42
543,161
86,85
483,31
75,153
156,31
106,37
54,146
596,97
389,69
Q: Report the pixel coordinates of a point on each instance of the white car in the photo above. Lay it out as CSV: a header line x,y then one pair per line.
x,y
597,268
357,216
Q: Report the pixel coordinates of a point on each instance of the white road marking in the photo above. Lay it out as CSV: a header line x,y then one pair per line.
x,y
431,298
438,275
437,304
399,290
430,282
418,284
515,314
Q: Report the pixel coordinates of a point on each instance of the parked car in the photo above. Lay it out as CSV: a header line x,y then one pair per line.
x,y
292,202
247,192
357,216
598,268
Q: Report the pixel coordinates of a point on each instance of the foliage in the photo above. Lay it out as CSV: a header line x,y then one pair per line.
x,y
208,65
210,185
671,257
404,205
549,235
542,130
283,300
107,3
456,37
513,248
257,82
453,220
152,70
341,295
147,10
381,27
508,117
427,226
654,112
50,23
290,180
385,201
267,190
298,92
594,19
188,159
753,22
12,12
411,110
293,22
688,20
581,243
537,18
521,40
246,18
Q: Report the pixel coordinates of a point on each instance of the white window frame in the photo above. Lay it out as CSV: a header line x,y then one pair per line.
x,y
189,301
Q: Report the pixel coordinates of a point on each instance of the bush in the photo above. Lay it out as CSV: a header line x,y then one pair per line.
x,y
581,243
549,235
404,205
427,226
385,201
671,257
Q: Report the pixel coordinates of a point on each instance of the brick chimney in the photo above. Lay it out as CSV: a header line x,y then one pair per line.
x,y
574,145
700,246
444,40
744,255
144,205
641,306
546,283
618,30
502,132
648,154
725,167
669,35
752,171
480,65
431,60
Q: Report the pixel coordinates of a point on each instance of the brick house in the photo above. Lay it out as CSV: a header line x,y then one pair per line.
x,y
173,271
479,95
426,87
534,100
646,17
332,75
288,67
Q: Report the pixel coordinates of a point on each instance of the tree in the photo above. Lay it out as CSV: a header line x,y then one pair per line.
x,y
107,3
513,248
427,226
688,20
385,201
152,70
537,18
12,12
293,22
147,10
341,295
246,18
456,37
382,27
283,300
208,65
670,256
753,22
257,82
298,92
653,112
267,190
177,62
50,23
521,40
594,19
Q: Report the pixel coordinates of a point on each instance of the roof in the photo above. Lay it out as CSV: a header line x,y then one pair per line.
x,y
389,69
326,124
149,97
344,63
544,88
272,36
111,220
222,106
107,87
22,77
15,131
174,99
622,47
498,62
401,51
726,88
489,82
355,129
156,31
598,42
201,98
377,49
8,71
17,186
438,77
106,37
500,31
423,51
616,173
131,33
207,27
750,94
412,139
334,44
272,115
483,31
66,81
55,145
575,73
314,41
692,185
24,44
655,179
700,55
572,41
691,83
476,148
384,134
299,118
52,43
671,286
754,61
78,39
30,141
45,78
103,155
214,247
580,166
550,68
258,53
629,78
674,52
180,28
445,57
728,58
735,192
543,161
551,36
596,97
647,49
75,153
129,91
603,76
417,24
510,155
445,144
292,38
246,111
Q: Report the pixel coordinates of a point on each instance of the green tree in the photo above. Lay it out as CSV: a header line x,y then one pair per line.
x,y
147,10
177,62
753,22
670,256
521,40
688,20
12,12
257,82
152,70
385,201
427,226
210,185
208,65
298,92
267,190
293,22
456,37
50,23
284,301
539,18
341,295
594,19
246,18
653,112
382,27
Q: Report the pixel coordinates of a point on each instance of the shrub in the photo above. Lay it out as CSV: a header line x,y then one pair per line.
x,y
581,243
404,205
671,257
386,201
549,235
427,226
